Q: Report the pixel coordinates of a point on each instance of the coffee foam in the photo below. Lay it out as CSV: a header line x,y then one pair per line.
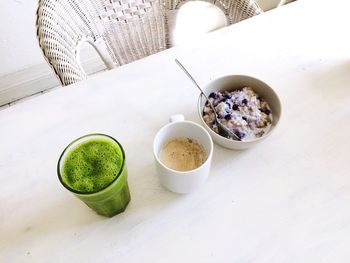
x,y
182,154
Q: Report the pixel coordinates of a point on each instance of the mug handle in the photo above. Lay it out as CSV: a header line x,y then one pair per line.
x,y
176,118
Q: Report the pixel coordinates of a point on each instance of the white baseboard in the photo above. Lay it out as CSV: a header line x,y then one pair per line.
x,y
26,82
40,78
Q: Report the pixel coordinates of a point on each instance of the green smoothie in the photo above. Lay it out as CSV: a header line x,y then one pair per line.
x,y
93,168
92,165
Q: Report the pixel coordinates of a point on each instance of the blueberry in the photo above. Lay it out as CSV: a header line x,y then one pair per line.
x,y
227,95
244,118
245,101
212,95
240,135
235,107
228,105
265,110
228,117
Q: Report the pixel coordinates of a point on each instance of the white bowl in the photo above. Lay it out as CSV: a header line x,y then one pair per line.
x,y
234,82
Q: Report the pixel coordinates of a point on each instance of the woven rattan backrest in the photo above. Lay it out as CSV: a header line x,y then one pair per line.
x,y
120,30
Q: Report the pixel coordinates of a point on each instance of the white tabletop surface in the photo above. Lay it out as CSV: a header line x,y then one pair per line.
x,y
285,200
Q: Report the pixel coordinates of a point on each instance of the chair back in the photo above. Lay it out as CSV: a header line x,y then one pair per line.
x,y
121,31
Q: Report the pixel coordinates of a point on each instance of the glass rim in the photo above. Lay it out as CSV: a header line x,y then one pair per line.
x,y
74,141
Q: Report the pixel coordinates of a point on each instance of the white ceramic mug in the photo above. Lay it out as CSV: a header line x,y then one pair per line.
x,y
182,181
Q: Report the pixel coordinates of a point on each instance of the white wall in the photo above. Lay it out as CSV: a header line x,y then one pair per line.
x,y
19,47
23,69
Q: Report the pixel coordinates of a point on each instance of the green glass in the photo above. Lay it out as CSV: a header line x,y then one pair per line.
x,y
93,168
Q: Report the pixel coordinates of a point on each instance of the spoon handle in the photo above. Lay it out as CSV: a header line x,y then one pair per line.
x,y
190,76
221,126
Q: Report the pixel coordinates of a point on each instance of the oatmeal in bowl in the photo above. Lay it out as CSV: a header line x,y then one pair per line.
x,y
245,105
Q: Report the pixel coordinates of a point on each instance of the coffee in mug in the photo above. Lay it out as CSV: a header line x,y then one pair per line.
x,y
182,154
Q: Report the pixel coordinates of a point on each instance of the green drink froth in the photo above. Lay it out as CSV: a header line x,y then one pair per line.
x,y
92,165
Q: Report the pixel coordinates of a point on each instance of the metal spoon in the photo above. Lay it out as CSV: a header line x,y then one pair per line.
x,y
222,128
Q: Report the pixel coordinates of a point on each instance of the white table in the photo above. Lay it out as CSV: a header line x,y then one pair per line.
x,y
285,200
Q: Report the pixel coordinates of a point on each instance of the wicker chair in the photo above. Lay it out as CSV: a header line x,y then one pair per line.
x,y
121,31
